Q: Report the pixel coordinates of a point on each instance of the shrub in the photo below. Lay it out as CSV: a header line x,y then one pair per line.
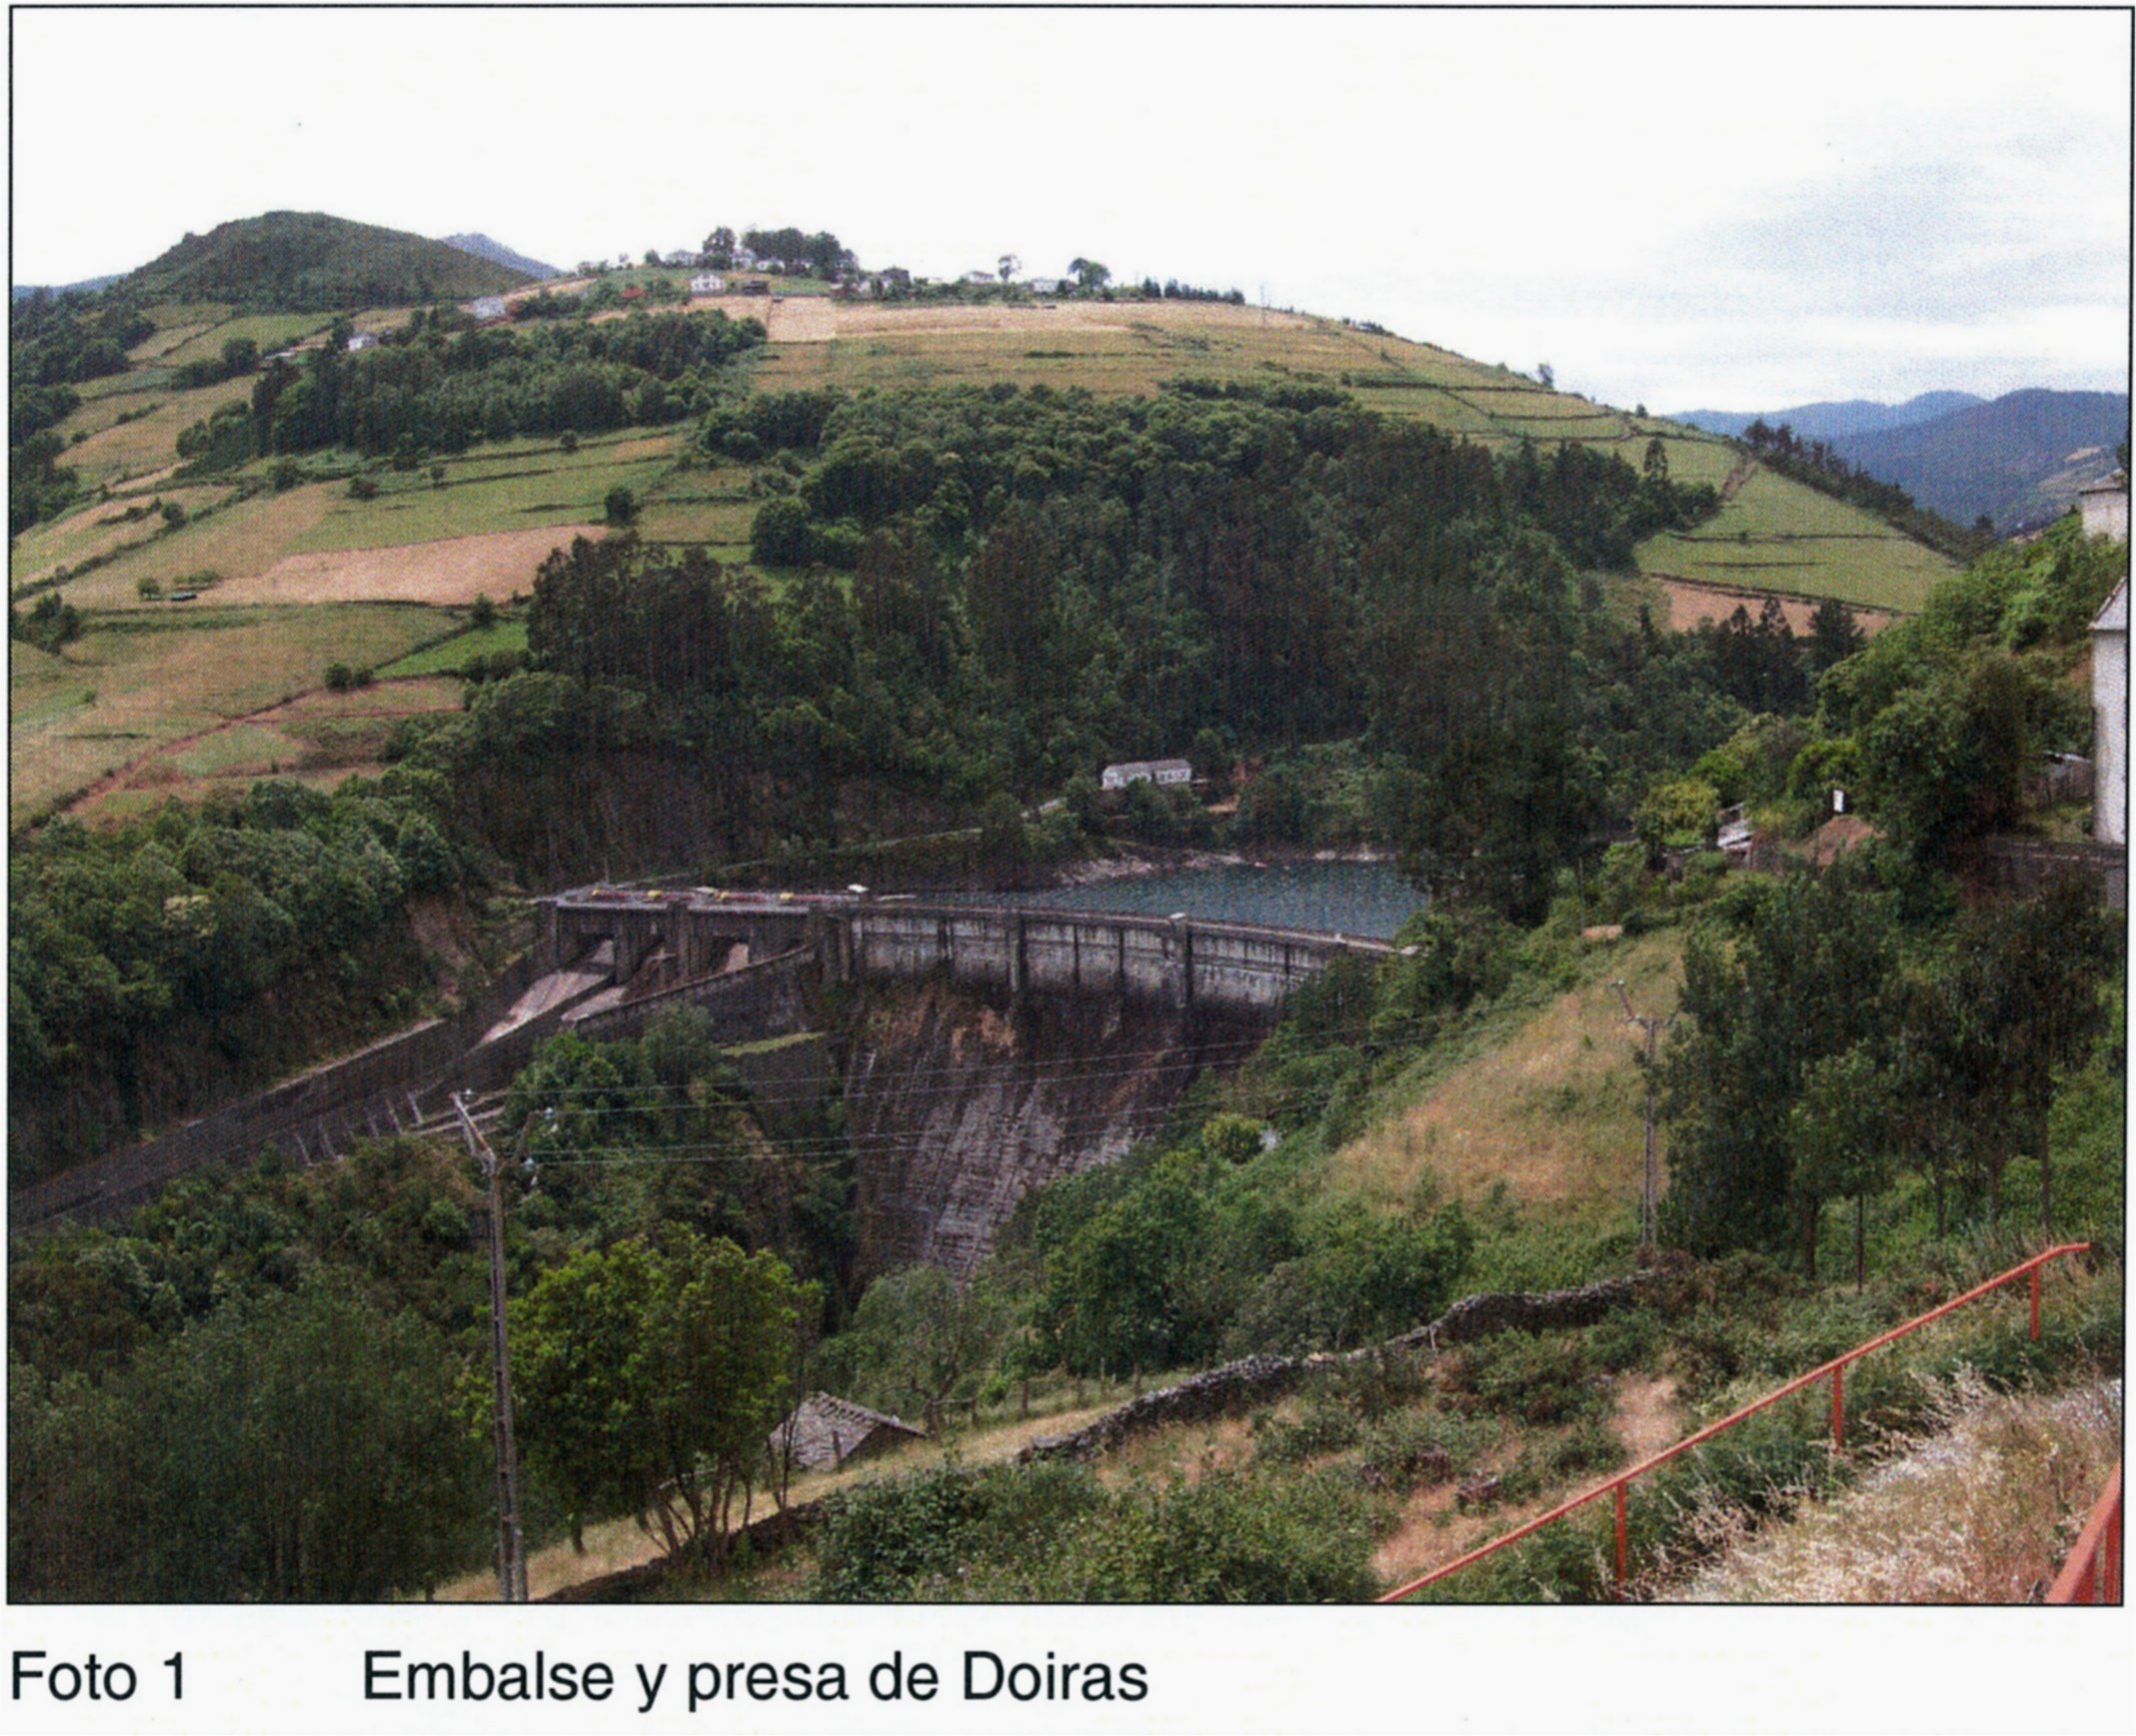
x,y
1323,1427
361,487
1538,1378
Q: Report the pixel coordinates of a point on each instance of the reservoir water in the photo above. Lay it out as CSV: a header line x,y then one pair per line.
x,y
1367,898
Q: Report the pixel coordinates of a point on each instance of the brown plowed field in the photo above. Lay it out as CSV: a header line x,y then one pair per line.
x,y
454,570
1691,604
820,319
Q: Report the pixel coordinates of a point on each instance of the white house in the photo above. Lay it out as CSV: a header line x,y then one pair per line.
x,y
1127,771
2110,716
363,340
708,283
2105,506
683,256
981,277
776,267
1043,286
487,307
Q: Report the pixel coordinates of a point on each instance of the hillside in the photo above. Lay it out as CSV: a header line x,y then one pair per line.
x,y
2020,459
496,253
308,262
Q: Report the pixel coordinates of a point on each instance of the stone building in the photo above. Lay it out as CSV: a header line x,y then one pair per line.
x,y
825,1432
2105,507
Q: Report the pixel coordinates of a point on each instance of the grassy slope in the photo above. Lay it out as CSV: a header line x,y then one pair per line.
x,y
129,688
1541,1100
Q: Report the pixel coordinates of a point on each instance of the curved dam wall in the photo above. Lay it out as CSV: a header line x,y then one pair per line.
x,y
958,1101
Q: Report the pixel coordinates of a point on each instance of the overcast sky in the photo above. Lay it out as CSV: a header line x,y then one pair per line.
x,y
1736,211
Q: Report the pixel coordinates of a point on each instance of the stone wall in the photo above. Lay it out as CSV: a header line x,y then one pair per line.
x,y
1256,1379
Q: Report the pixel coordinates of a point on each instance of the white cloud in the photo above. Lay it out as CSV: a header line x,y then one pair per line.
x,y
1643,198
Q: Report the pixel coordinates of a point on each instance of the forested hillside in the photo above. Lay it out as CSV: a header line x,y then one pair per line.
x,y
308,262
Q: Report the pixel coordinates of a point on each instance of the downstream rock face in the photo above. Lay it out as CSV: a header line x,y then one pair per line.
x,y
957,1104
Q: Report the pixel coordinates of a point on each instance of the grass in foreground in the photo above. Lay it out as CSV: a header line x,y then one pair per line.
x,y
1982,1513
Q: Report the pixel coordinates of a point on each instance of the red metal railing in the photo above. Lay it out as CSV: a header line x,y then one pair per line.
x,y
2092,1574
1835,1370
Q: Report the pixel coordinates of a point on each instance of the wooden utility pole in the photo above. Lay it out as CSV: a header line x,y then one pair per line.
x,y
511,1541
1650,1174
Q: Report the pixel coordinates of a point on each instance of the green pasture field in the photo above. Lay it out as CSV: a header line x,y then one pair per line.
x,y
95,530
116,450
136,382
450,656
1779,535
158,681
237,541
268,331
567,490
158,346
165,315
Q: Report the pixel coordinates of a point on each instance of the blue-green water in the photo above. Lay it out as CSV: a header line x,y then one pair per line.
x,y
1367,898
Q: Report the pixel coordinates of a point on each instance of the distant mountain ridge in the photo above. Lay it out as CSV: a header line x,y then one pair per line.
x,y
308,262
2019,460
496,253
22,292
1829,419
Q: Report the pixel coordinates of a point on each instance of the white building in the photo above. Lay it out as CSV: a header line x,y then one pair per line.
x,y
683,256
981,277
2110,716
363,340
2105,506
1044,286
487,307
1127,771
708,283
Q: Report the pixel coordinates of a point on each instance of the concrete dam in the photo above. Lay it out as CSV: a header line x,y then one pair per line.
x,y
981,1049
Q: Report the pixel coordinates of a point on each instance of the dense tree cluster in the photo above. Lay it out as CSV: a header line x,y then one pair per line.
x,y
55,342
126,945
442,390
1040,582
1947,713
1831,1047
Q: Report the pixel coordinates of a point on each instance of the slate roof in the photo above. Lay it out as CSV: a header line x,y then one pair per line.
x,y
827,1431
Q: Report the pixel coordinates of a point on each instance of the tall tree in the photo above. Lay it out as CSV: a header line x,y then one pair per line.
x,y
650,1377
